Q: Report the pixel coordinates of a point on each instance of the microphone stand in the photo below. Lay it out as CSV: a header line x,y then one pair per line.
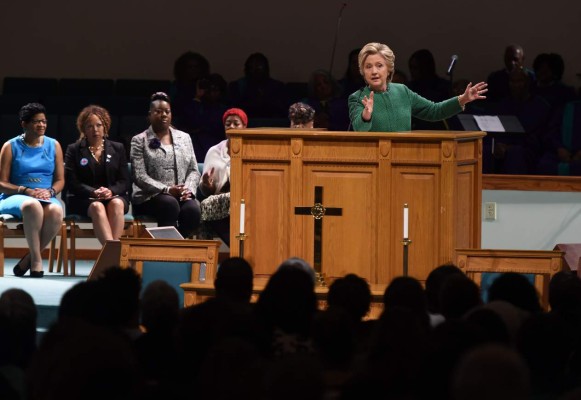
x,y
336,37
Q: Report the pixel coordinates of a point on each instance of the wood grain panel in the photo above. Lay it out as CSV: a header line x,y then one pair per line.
x,y
345,151
349,241
266,150
267,216
413,151
465,204
419,188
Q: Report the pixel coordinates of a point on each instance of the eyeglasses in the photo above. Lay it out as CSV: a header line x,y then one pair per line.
x,y
38,121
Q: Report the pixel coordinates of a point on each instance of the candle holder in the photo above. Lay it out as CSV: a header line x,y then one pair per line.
x,y
241,238
321,279
406,242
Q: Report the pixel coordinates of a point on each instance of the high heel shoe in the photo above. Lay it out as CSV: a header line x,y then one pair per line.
x,y
18,271
36,274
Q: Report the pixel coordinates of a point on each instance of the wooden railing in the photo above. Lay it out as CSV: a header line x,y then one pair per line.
x,y
532,183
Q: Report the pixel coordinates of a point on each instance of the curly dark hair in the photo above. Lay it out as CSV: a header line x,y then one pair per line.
x,y
301,113
99,112
30,110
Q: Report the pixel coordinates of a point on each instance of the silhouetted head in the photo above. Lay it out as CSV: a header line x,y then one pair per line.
x,y
458,295
234,280
565,292
256,67
189,67
491,372
323,86
406,292
351,293
517,290
549,68
160,306
434,282
422,65
288,301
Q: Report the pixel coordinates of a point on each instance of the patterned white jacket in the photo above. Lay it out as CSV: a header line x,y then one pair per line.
x,y
152,165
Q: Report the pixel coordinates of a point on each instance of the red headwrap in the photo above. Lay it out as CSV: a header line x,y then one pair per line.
x,y
238,112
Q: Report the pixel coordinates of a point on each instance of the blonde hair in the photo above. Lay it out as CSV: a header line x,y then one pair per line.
x,y
377,48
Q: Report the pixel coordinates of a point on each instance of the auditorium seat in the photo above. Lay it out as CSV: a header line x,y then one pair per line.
x,y
129,126
72,105
12,103
86,87
140,87
130,105
68,133
10,126
37,86
297,91
268,123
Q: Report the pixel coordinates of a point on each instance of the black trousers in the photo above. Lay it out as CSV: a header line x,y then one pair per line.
x,y
169,211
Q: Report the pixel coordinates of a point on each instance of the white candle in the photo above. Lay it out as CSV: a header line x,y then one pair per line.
x,y
405,221
242,216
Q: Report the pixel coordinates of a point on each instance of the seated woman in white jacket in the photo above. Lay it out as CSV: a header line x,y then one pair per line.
x,y
214,188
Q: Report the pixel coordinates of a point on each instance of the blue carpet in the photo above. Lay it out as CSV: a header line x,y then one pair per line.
x,y
48,291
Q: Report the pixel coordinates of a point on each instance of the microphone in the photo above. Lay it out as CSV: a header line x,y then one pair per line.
x,y
453,61
343,5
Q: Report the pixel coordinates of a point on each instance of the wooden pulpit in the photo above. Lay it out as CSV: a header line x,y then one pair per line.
x,y
336,199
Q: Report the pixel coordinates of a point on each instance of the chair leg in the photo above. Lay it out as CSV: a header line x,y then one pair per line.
x,y
73,246
51,251
64,247
1,248
62,243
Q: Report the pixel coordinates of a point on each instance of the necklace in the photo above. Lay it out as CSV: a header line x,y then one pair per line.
x,y
97,148
32,146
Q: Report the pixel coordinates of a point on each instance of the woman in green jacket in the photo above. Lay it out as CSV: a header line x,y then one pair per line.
x,y
383,106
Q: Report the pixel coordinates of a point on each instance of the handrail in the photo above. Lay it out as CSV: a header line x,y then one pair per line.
x,y
539,183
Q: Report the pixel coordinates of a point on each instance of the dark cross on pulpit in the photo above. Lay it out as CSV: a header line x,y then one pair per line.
x,y
318,211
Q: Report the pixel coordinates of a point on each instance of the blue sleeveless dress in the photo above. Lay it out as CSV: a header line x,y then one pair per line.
x,y
32,167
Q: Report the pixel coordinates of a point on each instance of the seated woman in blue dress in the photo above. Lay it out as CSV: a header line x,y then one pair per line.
x,y
97,176
31,175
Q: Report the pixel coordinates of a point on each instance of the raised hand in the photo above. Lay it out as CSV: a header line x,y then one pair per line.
x,y
473,93
368,104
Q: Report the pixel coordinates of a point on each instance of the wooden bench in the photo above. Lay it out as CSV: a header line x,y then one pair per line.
x,y
198,292
135,251
543,264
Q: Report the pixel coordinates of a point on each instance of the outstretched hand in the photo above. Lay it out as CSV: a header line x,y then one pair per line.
x,y
473,93
368,104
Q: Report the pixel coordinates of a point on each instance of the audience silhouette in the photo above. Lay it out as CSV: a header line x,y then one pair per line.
x,y
141,345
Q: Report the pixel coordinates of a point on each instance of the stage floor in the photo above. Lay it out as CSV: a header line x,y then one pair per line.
x,y
46,292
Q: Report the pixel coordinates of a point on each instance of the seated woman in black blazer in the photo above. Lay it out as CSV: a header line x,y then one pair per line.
x,y
96,175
